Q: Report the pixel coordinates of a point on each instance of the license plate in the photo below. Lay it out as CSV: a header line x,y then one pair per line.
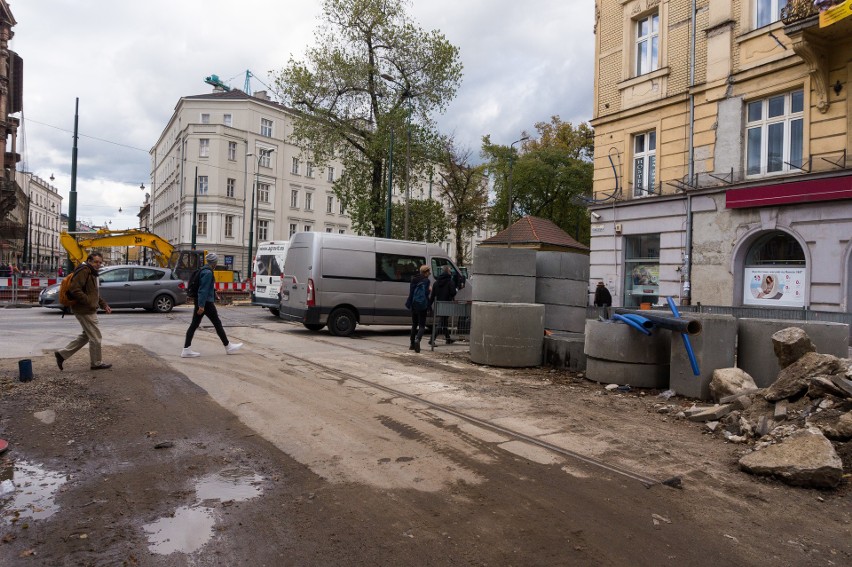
x,y
261,288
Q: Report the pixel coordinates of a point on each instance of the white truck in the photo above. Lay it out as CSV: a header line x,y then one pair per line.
x,y
266,274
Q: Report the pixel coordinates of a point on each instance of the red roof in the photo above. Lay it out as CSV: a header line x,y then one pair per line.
x,y
536,231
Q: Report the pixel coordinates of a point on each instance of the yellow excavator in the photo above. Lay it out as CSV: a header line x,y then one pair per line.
x,y
182,262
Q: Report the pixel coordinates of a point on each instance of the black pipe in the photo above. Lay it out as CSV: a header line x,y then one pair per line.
x,y
688,326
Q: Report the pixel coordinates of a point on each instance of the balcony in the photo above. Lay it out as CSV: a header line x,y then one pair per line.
x,y
816,45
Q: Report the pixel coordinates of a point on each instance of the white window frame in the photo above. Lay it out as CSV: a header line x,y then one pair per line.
x,y
763,18
266,125
205,118
263,230
204,147
330,174
309,201
646,158
341,231
309,169
308,228
787,121
340,208
263,191
201,224
650,60
203,185
228,119
293,229
294,198
229,226
329,229
231,187
295,168
329,204
265,157
232,151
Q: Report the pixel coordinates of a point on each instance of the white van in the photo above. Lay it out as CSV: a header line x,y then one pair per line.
x,y
266,274
341,280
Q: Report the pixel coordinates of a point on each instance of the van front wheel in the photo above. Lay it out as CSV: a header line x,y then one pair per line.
x,y
341,322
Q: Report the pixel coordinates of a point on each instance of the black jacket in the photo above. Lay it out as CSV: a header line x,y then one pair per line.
x,y
603,298
444,288
414,281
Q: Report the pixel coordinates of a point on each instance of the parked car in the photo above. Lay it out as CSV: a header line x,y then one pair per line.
x,y
148,287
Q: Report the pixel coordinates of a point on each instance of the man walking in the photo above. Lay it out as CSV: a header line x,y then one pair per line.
x,y
443,290
83,290
204,305
418,303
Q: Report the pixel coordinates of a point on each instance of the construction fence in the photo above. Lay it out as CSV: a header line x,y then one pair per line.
x,y
450,320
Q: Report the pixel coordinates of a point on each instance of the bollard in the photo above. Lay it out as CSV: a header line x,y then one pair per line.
x,y
25,370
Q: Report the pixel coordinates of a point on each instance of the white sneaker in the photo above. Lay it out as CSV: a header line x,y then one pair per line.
x,y
189,353
231,348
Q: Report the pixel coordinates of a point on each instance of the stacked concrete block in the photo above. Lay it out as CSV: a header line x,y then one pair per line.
x,y
506,334
756,355
619,354
565,350
562,285
715,347
504,275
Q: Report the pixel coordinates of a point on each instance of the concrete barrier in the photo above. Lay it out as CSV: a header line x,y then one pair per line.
x,y
608,340
562,265
503,289
636,375
564,318
552,291
504,261
565,351
756,356
715,347
507,334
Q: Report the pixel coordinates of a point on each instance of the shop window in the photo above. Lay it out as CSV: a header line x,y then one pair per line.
x,y
641,269
775,272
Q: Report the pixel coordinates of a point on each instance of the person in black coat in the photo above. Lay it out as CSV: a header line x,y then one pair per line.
x,y
443,290
603,298
418,315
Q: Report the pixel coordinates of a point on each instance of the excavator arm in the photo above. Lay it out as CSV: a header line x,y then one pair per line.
x,y
80,244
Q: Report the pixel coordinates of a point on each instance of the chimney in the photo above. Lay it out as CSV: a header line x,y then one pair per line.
x,y
261,95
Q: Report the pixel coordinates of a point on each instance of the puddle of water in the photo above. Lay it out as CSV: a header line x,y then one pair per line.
x,y
192,526
230,484
35,488
187,531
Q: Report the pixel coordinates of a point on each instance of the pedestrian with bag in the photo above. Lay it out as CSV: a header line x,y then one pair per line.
x,y
418,303
443,290
205,305
85,300
603,299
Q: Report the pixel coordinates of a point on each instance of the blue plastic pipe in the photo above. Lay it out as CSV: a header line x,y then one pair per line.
x,y
646,323
686,343
632,323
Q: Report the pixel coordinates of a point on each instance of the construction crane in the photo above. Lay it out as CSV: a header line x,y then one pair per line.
x,y
216,82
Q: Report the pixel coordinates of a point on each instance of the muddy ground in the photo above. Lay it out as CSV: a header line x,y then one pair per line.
x,y
130,449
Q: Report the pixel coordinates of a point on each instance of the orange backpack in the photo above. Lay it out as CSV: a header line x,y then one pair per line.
x,y
64,298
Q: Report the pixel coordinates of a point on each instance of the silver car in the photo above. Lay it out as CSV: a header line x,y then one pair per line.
x,y
148,287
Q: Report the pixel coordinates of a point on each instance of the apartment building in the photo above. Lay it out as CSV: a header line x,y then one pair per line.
x,y
217,148
722,133
41,208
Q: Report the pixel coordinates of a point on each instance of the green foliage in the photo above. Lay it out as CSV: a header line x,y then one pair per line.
x,y
464,188
372,80
427,221
550,175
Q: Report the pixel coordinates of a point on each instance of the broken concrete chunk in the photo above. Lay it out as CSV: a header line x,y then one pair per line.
x,y
790,345
822,386
794,379
730,381
714,413
806,458
833,426
764,426
780,413
844,384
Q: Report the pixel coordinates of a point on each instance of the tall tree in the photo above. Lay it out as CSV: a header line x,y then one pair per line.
x,y
550,175
464,188
373,74
427,221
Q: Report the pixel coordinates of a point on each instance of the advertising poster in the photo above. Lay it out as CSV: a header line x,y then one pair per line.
x,y
832,11
774,287
645,280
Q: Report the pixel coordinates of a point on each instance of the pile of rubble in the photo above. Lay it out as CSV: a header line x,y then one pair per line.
x,y
794,427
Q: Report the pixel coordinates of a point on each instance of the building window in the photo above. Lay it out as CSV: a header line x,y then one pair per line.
x,y
329,204
329,229
229,226
309,201
265,157
309,169
647,44
201,224
641,269
768,11
307,228
294,199
205,118
774,134
293,229
266,127
775,272
262,230
228,120
232,151
204,147
263,192
330,174
231,187
340,207
295,169
202,185
342,231
644,163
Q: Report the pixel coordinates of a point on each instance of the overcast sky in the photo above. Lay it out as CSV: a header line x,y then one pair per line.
x,y
130,62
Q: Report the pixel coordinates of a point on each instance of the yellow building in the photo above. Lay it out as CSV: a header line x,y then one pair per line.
x,y
722,131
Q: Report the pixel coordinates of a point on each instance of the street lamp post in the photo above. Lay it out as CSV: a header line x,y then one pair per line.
x,y
509,187
390,190
406,94
262,154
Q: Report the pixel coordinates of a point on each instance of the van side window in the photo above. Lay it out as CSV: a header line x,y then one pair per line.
x,y
438,266
397,268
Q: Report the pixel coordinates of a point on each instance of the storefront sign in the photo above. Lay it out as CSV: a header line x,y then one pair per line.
x,y
835,11
774,287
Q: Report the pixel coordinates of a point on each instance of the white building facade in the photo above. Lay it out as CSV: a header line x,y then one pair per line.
x,y
41,251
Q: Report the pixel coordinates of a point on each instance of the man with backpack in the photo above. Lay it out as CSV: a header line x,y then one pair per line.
x,y
204,305
85,300
418,303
